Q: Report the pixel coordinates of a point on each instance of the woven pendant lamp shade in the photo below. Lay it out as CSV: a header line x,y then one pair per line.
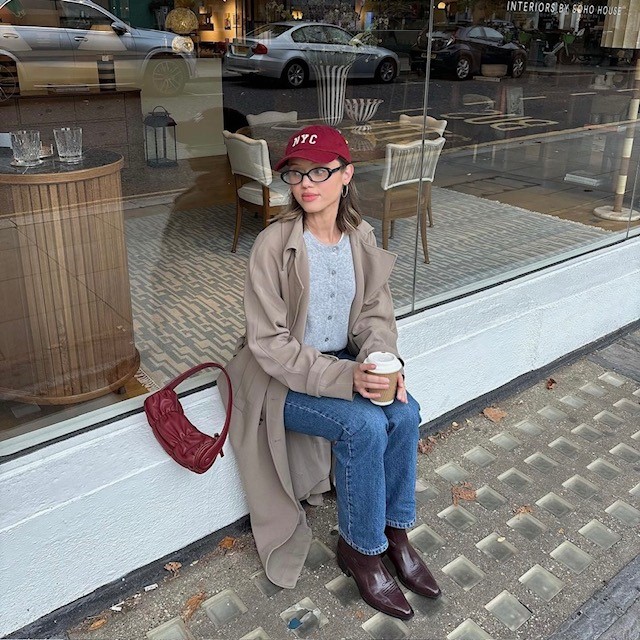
x,y
181,21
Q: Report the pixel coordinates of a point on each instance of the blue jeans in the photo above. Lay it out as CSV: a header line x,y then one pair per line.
x,y
375,457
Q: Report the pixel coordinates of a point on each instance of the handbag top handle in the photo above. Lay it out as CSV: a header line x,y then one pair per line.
x,y
207,365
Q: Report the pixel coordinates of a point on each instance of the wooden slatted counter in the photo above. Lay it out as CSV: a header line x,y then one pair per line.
x,y
66,329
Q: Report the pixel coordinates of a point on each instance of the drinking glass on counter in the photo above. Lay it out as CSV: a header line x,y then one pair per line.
x,y
25,144
69,143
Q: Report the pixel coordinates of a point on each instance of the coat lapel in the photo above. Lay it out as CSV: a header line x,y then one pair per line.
x,y
295,279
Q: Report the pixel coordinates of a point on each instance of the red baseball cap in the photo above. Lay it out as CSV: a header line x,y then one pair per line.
x,y
316,143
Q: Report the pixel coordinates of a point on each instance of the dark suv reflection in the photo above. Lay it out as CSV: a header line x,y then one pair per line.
x,y
463,50
53,44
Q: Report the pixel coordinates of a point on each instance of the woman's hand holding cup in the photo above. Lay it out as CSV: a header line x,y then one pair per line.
x,y
379,379
368,385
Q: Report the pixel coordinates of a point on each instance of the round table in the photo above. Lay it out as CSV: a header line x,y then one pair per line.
x,y
66,328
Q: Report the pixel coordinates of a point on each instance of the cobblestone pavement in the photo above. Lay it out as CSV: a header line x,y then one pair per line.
x,y
522,519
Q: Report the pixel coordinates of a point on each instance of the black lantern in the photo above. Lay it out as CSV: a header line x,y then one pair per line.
x,y
160,146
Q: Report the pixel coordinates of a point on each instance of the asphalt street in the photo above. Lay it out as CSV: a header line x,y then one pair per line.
x,y
545,102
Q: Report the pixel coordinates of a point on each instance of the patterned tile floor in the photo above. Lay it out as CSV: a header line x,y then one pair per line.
x,y
187,301
555,516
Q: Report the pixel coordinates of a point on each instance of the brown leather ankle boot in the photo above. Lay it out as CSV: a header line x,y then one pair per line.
x,y
377,588
412,571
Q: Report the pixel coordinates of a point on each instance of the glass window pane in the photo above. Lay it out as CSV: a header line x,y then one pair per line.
x,y
337,36
492,34
315,34
300,35
544,148
476,160
268,31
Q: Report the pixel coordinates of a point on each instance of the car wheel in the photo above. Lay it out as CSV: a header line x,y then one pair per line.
x,y
9,87
295,74
165,77
386,71
518,66
463,67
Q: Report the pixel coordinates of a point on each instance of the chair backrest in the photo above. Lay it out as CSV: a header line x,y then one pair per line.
x,y
433,124
248,157
271,116
402,163
5,140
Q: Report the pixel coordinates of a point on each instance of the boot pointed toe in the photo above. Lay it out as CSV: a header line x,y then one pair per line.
x,y
412,572
375,584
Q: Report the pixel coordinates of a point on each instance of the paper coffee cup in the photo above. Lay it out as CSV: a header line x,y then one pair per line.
x,y
387,365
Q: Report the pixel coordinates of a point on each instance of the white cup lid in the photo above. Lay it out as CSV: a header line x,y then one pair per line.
x,y
385,362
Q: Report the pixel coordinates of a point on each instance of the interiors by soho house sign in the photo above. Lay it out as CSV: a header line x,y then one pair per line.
x,y
563,7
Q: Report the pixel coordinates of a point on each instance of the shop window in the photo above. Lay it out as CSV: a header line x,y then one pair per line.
x,y
536,128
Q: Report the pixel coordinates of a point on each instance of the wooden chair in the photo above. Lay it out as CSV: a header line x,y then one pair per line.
x,y
432,124
406,191
271,116
257,188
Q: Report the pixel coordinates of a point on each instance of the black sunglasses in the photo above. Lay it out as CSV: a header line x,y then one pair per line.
x,y
317,174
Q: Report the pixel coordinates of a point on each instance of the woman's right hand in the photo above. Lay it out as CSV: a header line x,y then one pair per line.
x,y
366,383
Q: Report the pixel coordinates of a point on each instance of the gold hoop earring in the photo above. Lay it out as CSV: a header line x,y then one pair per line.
x,y
345,190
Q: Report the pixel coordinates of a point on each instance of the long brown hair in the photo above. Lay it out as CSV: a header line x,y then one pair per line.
x,y
349,216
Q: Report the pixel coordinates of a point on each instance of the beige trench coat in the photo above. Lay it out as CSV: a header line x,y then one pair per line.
x,y
278,468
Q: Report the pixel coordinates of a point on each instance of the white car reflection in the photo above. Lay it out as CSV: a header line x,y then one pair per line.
x,y
288,50
49,44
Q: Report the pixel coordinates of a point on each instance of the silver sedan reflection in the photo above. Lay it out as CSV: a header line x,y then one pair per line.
x,y
289,51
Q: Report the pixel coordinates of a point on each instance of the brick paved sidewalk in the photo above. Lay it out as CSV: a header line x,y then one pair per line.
x,y
521,518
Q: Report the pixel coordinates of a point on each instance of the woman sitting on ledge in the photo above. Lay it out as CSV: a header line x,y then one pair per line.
x,y
317,303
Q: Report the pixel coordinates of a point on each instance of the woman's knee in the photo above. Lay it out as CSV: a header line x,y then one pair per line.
x,y
413,413
368,422
405,416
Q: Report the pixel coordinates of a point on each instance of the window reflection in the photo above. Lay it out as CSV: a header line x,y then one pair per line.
x,y
538,112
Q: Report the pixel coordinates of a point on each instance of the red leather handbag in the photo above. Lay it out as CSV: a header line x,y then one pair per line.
x,y
189,447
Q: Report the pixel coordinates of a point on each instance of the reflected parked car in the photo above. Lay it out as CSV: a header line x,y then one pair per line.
x,y
287,51
53,44
463,50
